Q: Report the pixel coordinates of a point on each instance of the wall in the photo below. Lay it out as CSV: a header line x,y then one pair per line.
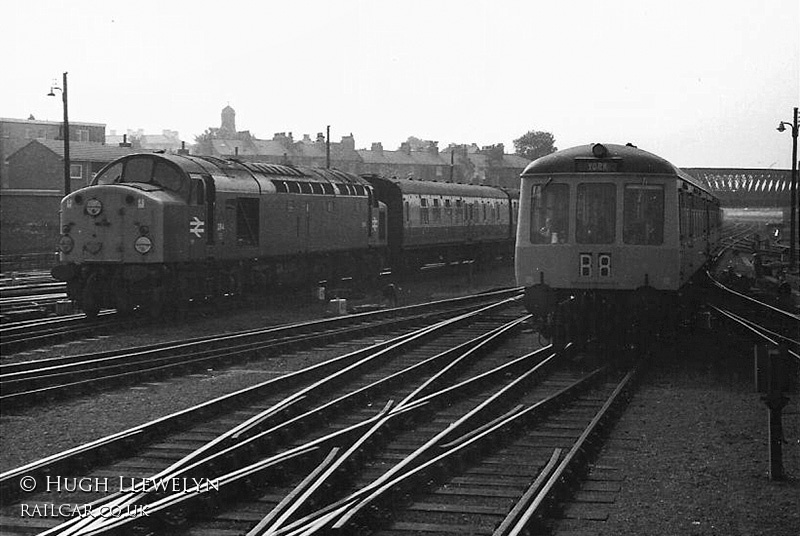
x,y
29,221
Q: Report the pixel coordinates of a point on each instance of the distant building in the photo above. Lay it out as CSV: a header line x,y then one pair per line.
x,y
15,133
40,164
421,160
168,141
489,165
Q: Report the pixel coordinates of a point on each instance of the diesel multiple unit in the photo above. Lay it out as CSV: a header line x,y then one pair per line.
x,y
607,233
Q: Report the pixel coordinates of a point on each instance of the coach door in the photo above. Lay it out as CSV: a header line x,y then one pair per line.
x,y
200,216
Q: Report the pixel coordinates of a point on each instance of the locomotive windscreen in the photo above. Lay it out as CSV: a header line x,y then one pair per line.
x,y
144,170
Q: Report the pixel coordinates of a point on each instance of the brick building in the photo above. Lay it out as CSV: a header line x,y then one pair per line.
x,y
40,164
16,133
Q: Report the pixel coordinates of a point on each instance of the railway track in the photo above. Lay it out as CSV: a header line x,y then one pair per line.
x,y
24,299
27,382
17,336
331,447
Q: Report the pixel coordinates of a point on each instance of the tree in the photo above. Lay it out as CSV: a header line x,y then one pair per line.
x,y
203,141
534,144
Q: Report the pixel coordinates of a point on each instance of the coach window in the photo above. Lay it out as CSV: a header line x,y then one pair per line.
x,y
550,214
596,213
436,212
643,215
423,211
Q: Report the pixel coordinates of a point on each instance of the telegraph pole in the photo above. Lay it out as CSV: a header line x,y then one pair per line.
x,y
793,207
63,90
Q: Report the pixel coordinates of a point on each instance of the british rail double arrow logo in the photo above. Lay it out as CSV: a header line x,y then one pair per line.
x,y
197,227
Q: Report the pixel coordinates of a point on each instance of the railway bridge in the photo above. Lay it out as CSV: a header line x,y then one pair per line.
x,y
740,188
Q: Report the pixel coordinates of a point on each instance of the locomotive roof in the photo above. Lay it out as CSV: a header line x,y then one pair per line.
x,y
626,159
278,171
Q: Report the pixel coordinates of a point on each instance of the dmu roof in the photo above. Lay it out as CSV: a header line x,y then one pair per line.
x,y
627,159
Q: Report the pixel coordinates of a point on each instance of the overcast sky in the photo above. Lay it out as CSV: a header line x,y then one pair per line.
x,y
702,83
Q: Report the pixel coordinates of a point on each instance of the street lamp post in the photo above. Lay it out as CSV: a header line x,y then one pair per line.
x,y
66,132
793,207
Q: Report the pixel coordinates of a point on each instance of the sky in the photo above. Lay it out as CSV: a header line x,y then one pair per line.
x,y
702,83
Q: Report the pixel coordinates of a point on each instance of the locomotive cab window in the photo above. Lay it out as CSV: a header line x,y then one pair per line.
x,y
596,215
550,214
144,170
643,215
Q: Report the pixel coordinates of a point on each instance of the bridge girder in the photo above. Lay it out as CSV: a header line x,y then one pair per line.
x,y
746,187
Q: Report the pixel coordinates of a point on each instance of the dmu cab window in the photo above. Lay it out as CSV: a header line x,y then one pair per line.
x,y
549,214
596,215
643,215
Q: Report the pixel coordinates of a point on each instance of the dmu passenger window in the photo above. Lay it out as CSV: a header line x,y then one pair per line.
x,y
550,214
643,215
596,216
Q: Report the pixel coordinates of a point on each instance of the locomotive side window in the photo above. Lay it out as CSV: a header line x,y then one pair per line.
x,y
550,214
247,221
643,215
198,192
596,216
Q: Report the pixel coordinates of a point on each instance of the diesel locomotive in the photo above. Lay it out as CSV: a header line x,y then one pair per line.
x,y
608,236
163,229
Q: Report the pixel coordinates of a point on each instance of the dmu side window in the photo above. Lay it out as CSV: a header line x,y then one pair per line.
x,y
550,214
643,215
